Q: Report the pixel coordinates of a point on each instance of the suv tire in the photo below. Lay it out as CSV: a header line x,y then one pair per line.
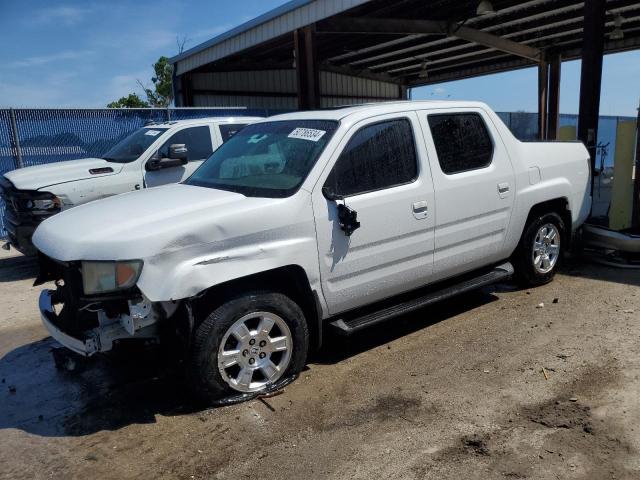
x,y
246,345
540,250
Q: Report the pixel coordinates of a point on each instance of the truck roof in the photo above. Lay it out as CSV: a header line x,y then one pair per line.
x,y
200,121
379,108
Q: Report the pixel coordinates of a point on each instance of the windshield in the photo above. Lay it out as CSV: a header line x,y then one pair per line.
x,y
269,159
131,147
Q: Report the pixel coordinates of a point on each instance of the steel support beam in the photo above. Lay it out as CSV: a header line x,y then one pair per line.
x,y
307,71
410,27
635,212
543,86
553,109
591,77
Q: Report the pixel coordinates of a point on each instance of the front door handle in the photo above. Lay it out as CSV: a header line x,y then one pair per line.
x,y
420,209
503,189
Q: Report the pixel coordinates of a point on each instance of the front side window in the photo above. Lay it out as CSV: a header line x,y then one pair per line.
x,y
462,141
267,159
131,147
197,140
378,156
228,130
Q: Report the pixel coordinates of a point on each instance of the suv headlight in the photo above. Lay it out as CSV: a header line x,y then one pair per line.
x,y
103,277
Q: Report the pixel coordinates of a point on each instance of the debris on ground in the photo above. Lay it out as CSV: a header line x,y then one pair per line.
x,y
556,300
544,372
628,310
12,389
476,444
540,305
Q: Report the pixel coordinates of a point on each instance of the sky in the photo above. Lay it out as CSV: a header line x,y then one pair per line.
x,y
86,54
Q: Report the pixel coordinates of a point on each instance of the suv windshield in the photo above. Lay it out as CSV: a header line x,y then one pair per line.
x,y
131,147
269,159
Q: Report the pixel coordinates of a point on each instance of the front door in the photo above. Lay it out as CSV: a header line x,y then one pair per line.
x,y
474,183
200,147
381,172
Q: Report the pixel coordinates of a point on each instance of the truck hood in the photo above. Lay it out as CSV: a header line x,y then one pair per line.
x,y
146,223
42,176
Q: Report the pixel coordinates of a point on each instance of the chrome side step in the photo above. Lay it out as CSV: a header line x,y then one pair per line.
x,y
347,325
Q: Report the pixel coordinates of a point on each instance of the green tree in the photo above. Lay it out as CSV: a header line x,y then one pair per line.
x,y
130,101
162,93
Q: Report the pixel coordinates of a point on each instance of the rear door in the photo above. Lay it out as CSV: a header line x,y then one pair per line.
x,y
474,183
199,142
380,169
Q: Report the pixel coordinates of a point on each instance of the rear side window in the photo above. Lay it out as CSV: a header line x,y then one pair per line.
x,y
197,140
378,156
462,141
228,130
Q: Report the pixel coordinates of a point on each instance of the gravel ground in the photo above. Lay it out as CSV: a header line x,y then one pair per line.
x,y
489,386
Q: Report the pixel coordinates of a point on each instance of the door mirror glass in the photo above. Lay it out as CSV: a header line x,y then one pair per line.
x,y
178,151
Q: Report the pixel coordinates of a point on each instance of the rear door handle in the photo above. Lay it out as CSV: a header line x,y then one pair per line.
x,y
503,189
420,209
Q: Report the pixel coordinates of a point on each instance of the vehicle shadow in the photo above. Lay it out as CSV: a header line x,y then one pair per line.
x,y
107,393
585,266
17,268
112,392
337,348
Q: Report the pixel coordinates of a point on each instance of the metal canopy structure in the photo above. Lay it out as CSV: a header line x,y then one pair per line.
x,y
321,53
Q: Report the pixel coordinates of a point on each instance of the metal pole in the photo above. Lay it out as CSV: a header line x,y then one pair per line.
x,y
168,115
16,140
553,109
591,78
635,215
543,84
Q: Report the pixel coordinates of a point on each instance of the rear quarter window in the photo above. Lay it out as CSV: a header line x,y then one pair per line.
x,y
228,130
462,141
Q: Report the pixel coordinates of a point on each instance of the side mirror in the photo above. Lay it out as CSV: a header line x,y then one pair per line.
x,y
178,154
178,151
329,194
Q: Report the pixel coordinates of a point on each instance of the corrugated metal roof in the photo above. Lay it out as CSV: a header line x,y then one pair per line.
x,y
279,21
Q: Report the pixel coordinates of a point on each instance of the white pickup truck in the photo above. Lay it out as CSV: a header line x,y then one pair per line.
x,y
157,154
338,218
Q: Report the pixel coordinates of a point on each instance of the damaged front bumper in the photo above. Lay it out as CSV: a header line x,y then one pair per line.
x,y
86,347
139,324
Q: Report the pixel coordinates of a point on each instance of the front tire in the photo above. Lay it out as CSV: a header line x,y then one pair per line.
x,y
540,250
246,345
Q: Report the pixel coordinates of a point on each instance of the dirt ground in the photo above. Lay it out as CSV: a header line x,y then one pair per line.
x,y
452,392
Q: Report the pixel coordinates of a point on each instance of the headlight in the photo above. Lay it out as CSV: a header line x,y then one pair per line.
x,y
102,277
44,204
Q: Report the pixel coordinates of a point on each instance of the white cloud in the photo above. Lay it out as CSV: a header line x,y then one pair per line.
x,y
53,57
65,14
122,85
439,90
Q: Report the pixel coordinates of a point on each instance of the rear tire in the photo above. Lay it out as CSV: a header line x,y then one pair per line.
x,y
246,345
540,250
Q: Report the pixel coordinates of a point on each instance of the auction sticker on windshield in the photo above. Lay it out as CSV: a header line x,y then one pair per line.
x,y
310,134
153,133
